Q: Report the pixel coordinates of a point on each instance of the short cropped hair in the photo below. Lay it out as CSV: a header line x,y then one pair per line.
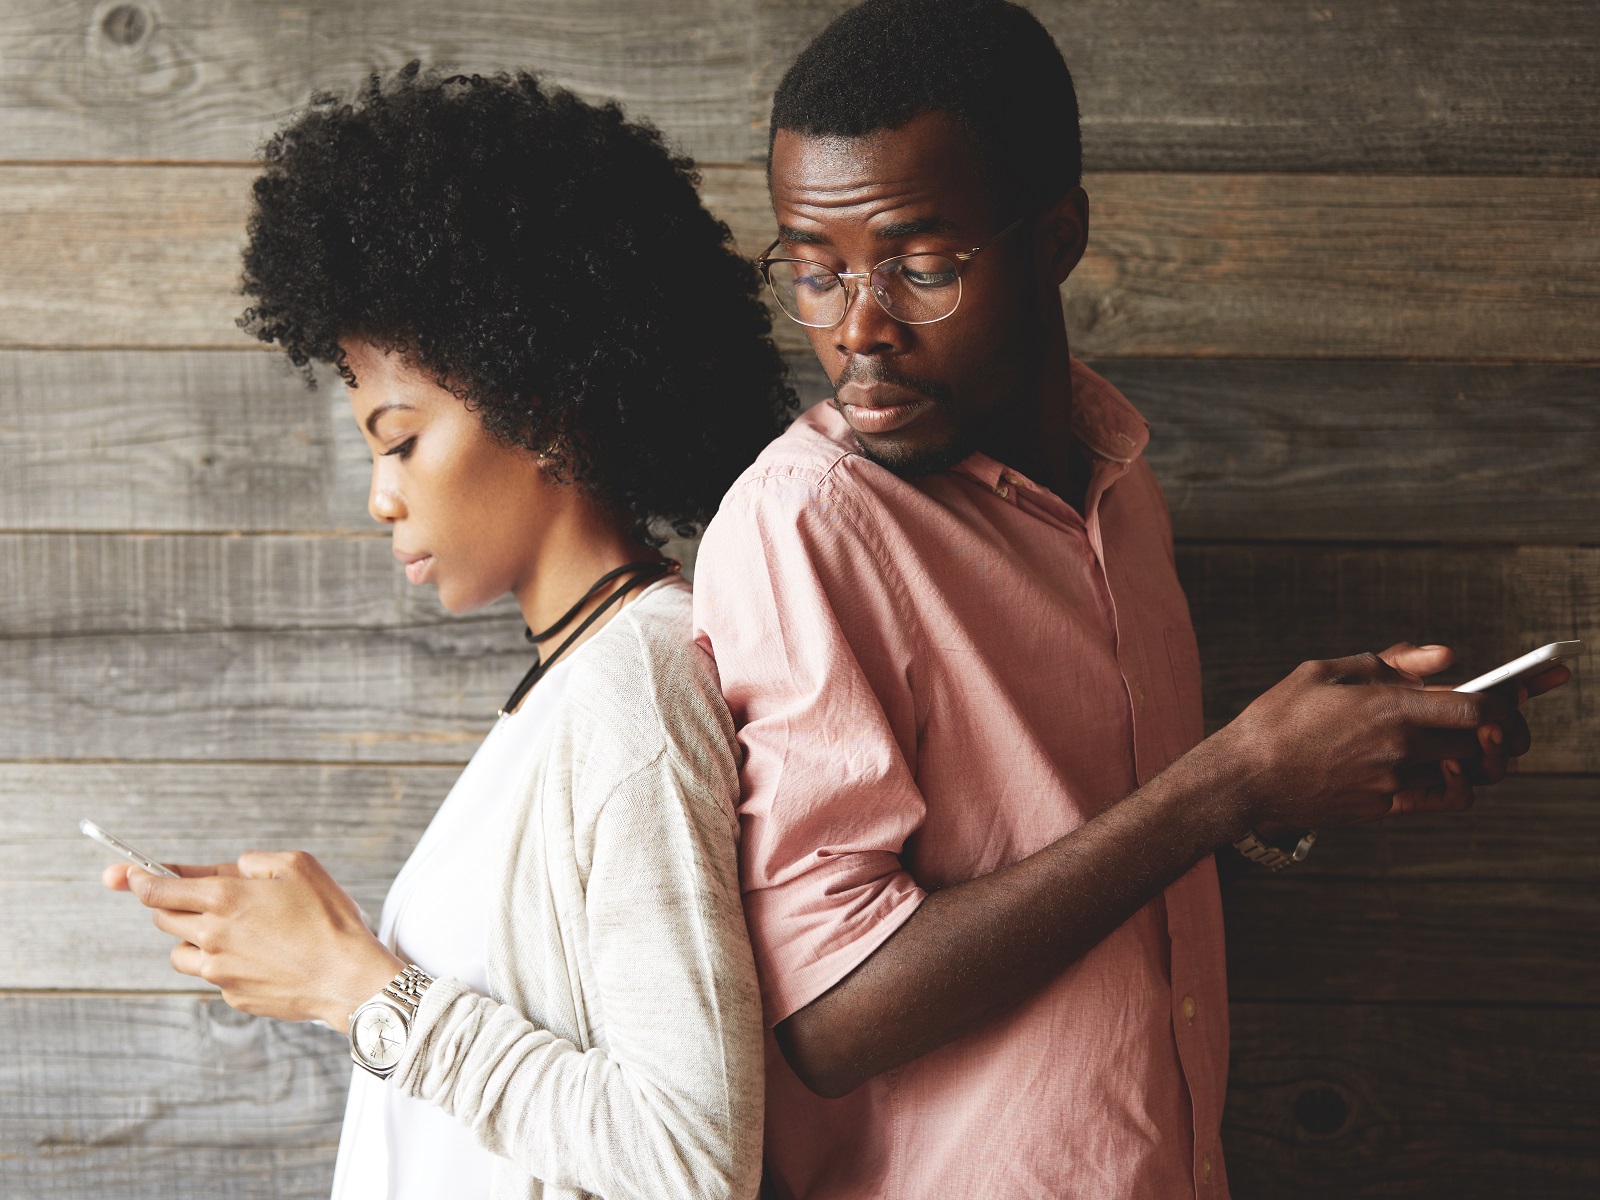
x,y
543,258
988,64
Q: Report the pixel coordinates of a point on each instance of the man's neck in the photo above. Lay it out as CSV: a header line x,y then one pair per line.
x,y
1036,435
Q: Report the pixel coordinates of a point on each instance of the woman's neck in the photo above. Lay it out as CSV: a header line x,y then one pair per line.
x,y
573,554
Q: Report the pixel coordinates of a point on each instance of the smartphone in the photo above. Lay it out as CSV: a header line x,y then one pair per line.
x,y
117,846
1519,669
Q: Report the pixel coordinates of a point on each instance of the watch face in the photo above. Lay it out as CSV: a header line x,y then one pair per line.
x,y
379,1036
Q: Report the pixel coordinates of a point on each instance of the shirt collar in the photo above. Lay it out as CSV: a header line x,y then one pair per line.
x,y
1101,417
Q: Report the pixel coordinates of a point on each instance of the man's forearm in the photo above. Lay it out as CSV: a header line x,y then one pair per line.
x,y
976,949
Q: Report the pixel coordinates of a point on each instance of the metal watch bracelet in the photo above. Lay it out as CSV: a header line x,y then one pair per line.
x,y
408,986
1257,851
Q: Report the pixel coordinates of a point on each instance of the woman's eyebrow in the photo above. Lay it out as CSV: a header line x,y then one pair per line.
x,y
372,417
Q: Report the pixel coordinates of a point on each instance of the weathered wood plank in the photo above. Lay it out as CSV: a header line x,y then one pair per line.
x,y
69,933
417,694
279,647
105,585
163,1098
122,256
210,79
268,647
1409,452
211,441
1339,267
1261,609
1442,943
1527,827
180,440
1181,265
1453,85
1346,1102
148,1097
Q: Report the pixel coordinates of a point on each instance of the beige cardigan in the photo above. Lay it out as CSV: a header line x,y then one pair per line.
x,y
620,1053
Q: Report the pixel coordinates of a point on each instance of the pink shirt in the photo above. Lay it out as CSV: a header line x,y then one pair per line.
x,y
931,681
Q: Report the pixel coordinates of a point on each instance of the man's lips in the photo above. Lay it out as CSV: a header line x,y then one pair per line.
x,y
880,408
416,565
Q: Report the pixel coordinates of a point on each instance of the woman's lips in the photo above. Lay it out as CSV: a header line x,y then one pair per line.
x,y
417,568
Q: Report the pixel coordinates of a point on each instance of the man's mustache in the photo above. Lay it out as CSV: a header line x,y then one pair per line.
x,y
867,371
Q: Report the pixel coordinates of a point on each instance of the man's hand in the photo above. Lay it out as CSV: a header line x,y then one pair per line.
x,y
1354,739
274,932
1336,742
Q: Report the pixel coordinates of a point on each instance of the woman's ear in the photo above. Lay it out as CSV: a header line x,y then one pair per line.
x,y
1063,233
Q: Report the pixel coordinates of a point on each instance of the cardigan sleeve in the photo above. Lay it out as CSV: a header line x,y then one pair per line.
x,y
671,1106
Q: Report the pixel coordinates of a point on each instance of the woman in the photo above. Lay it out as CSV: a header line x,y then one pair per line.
x,y
554,355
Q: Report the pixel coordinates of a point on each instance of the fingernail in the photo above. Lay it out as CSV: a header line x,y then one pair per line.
x,y
1497,735
1450,766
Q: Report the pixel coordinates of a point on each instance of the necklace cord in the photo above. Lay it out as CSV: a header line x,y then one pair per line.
x,y
642,571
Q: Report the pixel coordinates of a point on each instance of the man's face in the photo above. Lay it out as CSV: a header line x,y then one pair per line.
x,y
919,397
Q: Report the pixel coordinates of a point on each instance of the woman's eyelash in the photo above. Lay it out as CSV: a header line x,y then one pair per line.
x,y
403,449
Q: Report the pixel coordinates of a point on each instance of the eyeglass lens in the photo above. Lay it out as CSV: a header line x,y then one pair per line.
x,y
915,288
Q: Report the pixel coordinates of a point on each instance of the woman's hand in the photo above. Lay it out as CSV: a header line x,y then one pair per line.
x,y
275,933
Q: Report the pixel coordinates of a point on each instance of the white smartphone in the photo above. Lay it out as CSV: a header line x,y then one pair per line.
x,y
117,846
1526,667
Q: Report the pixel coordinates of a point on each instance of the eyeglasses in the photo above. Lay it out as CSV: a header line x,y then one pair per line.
x,y
915,289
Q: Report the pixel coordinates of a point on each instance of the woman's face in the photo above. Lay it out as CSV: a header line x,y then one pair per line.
x,y
469,514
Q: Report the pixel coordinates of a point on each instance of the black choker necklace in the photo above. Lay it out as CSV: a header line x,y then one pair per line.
x,y
636,572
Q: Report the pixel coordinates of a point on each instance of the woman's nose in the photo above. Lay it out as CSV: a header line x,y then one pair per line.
x,y
384,503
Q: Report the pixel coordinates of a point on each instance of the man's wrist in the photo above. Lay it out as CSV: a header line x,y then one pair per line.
x,y
1218,771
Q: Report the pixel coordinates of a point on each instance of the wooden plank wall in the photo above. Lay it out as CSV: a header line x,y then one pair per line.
x,y
1344,257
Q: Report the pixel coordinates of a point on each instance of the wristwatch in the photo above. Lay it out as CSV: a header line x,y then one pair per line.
x,y
1271,857
380,1027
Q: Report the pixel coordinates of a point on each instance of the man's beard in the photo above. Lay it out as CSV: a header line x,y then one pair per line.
x,y
926,460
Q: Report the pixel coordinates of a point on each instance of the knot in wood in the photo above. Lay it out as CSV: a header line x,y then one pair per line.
x,y
126,24
1321,1110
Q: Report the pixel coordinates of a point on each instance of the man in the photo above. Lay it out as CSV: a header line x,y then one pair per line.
x,y
977,828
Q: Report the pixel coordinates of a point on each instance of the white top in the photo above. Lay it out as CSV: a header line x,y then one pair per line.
x,y
436,915
617,1050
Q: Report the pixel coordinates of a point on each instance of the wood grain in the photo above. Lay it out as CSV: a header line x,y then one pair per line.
x,y
1543,828
1261,609
1323,266
145,1097
269,647
175,440
1308,939
1344,1102
1393,452
211,441
1180,265
70,933
278,647
170,1098
210,79
1345,85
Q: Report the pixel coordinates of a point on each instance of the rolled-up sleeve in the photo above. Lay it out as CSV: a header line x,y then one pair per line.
x,y
798,603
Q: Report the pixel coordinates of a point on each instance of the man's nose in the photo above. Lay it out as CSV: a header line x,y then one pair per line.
x,y
867,328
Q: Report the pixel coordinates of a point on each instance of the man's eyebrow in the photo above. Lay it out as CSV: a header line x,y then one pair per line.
x,y
372,417
799,237
913,227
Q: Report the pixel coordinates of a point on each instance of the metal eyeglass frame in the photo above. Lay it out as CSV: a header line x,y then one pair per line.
x,y
862,279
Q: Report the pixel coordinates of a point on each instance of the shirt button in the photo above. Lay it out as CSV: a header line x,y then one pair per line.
x,y
1188,1008
1205,1167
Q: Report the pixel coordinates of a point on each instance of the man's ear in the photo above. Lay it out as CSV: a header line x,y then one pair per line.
x,y
1064,234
